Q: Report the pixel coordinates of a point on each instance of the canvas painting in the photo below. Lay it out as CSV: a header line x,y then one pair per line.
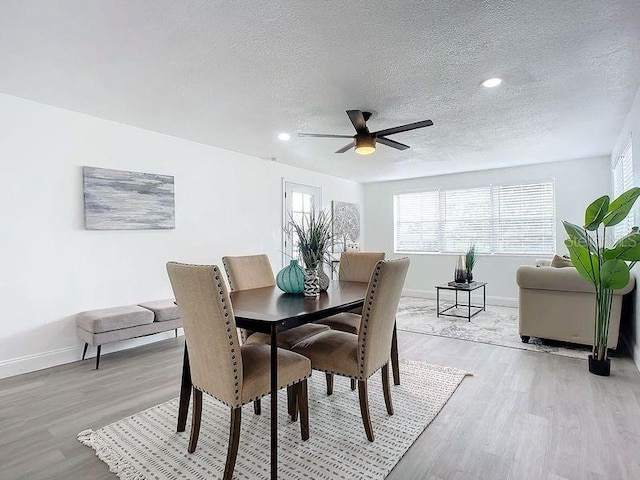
x,y
346,226
121,200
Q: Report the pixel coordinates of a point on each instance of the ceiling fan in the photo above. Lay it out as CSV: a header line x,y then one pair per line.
x,y
365,141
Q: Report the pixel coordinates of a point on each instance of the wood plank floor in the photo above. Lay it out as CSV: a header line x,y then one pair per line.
x,y
523,415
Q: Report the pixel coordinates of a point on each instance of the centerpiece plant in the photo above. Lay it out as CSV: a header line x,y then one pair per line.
x,y
606,268
314,234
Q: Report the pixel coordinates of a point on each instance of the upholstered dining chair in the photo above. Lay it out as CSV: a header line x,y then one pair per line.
x,y
354,267
233,374
360,356
246,272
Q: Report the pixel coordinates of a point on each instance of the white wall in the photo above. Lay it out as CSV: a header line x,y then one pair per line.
x,y
631,130
577,183
226,204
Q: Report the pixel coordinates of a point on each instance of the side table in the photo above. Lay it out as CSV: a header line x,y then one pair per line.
x,y
462,287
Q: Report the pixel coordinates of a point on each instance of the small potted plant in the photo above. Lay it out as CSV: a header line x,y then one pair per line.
x,y
314,242
607,269
470,261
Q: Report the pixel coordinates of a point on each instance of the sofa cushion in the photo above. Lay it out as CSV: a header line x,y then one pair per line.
x,y
163,310
561,262
116,318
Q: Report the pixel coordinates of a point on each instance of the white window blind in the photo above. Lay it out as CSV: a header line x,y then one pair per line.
x,y
509,219
416,222
524,217
623,181
465,218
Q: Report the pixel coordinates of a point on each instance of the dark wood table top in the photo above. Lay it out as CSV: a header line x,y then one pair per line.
x,y
257,309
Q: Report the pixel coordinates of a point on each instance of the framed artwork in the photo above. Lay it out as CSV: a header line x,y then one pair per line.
x,y
346,226
122,200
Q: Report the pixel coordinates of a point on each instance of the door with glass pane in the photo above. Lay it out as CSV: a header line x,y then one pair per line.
x,y
299,202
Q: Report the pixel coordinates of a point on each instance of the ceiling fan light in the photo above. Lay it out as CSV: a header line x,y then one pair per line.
x,y
365,145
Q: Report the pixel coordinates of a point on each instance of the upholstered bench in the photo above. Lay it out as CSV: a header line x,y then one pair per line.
x,y
107,325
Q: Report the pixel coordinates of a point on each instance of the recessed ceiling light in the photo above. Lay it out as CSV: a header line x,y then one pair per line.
x,y
285,137
492,82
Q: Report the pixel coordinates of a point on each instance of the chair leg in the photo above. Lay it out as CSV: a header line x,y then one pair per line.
x,y
395,364
303,405
84,352
329,383
353,384
364,409
234,441
292,402
386,388
98,357
176,330
195,420
257,407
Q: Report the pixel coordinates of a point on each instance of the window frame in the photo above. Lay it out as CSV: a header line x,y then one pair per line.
x,y
493,235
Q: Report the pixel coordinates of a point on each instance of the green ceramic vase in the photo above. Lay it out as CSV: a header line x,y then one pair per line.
x,y
291,278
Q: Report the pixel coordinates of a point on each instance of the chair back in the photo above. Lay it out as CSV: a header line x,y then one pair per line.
x,y
210,330
379,314
249,271
358,266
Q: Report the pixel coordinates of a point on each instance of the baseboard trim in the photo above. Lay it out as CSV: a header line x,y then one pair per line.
x,y
61,356
39,361
491,300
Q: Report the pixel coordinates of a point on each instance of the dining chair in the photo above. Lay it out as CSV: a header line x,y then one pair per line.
x,y
233,374
360,356
355,267
246,272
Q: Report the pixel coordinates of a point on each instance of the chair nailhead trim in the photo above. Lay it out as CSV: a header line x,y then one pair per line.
x,y
236,374
365,319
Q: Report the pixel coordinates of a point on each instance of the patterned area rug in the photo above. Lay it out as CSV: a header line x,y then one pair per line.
x,y
146,446
496,326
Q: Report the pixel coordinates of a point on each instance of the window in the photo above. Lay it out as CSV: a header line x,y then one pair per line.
x,y
299,202
623,181
507,219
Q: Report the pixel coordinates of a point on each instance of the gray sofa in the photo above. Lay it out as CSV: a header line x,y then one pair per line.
x,y
107,325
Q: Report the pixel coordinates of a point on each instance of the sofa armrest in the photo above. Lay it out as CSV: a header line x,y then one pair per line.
x,y
561,279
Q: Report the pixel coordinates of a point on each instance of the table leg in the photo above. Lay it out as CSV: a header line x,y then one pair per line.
x,y
456,298
484,298
437,302
394,357
185,392
469,302
274,401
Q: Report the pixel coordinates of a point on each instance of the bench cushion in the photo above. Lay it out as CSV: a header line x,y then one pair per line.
x,y
116,318
95,339
163,310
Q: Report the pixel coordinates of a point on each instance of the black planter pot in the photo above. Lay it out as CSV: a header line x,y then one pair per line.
x,y
600,367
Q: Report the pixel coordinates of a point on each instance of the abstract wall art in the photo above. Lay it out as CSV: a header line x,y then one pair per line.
x,y
122,200
346,226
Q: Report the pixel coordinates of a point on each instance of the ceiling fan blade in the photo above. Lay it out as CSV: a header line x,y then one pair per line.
x,y
323,135
404,128
358,121
392,143
346,147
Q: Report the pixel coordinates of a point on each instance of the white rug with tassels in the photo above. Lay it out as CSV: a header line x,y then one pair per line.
x,y
146,446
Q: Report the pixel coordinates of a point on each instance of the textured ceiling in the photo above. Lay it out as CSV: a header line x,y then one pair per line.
x,y
235,73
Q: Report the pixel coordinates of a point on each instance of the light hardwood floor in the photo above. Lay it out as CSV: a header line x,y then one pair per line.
x,y
523,415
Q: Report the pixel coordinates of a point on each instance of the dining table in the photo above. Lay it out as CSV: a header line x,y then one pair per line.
x,y
269,310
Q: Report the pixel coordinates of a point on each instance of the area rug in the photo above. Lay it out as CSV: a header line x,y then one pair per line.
x,y
496,326
146,446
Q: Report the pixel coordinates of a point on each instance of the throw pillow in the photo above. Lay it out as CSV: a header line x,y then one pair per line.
x,y
560,262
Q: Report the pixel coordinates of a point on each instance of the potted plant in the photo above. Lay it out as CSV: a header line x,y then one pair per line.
x,y
607,269
314,242
470,261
